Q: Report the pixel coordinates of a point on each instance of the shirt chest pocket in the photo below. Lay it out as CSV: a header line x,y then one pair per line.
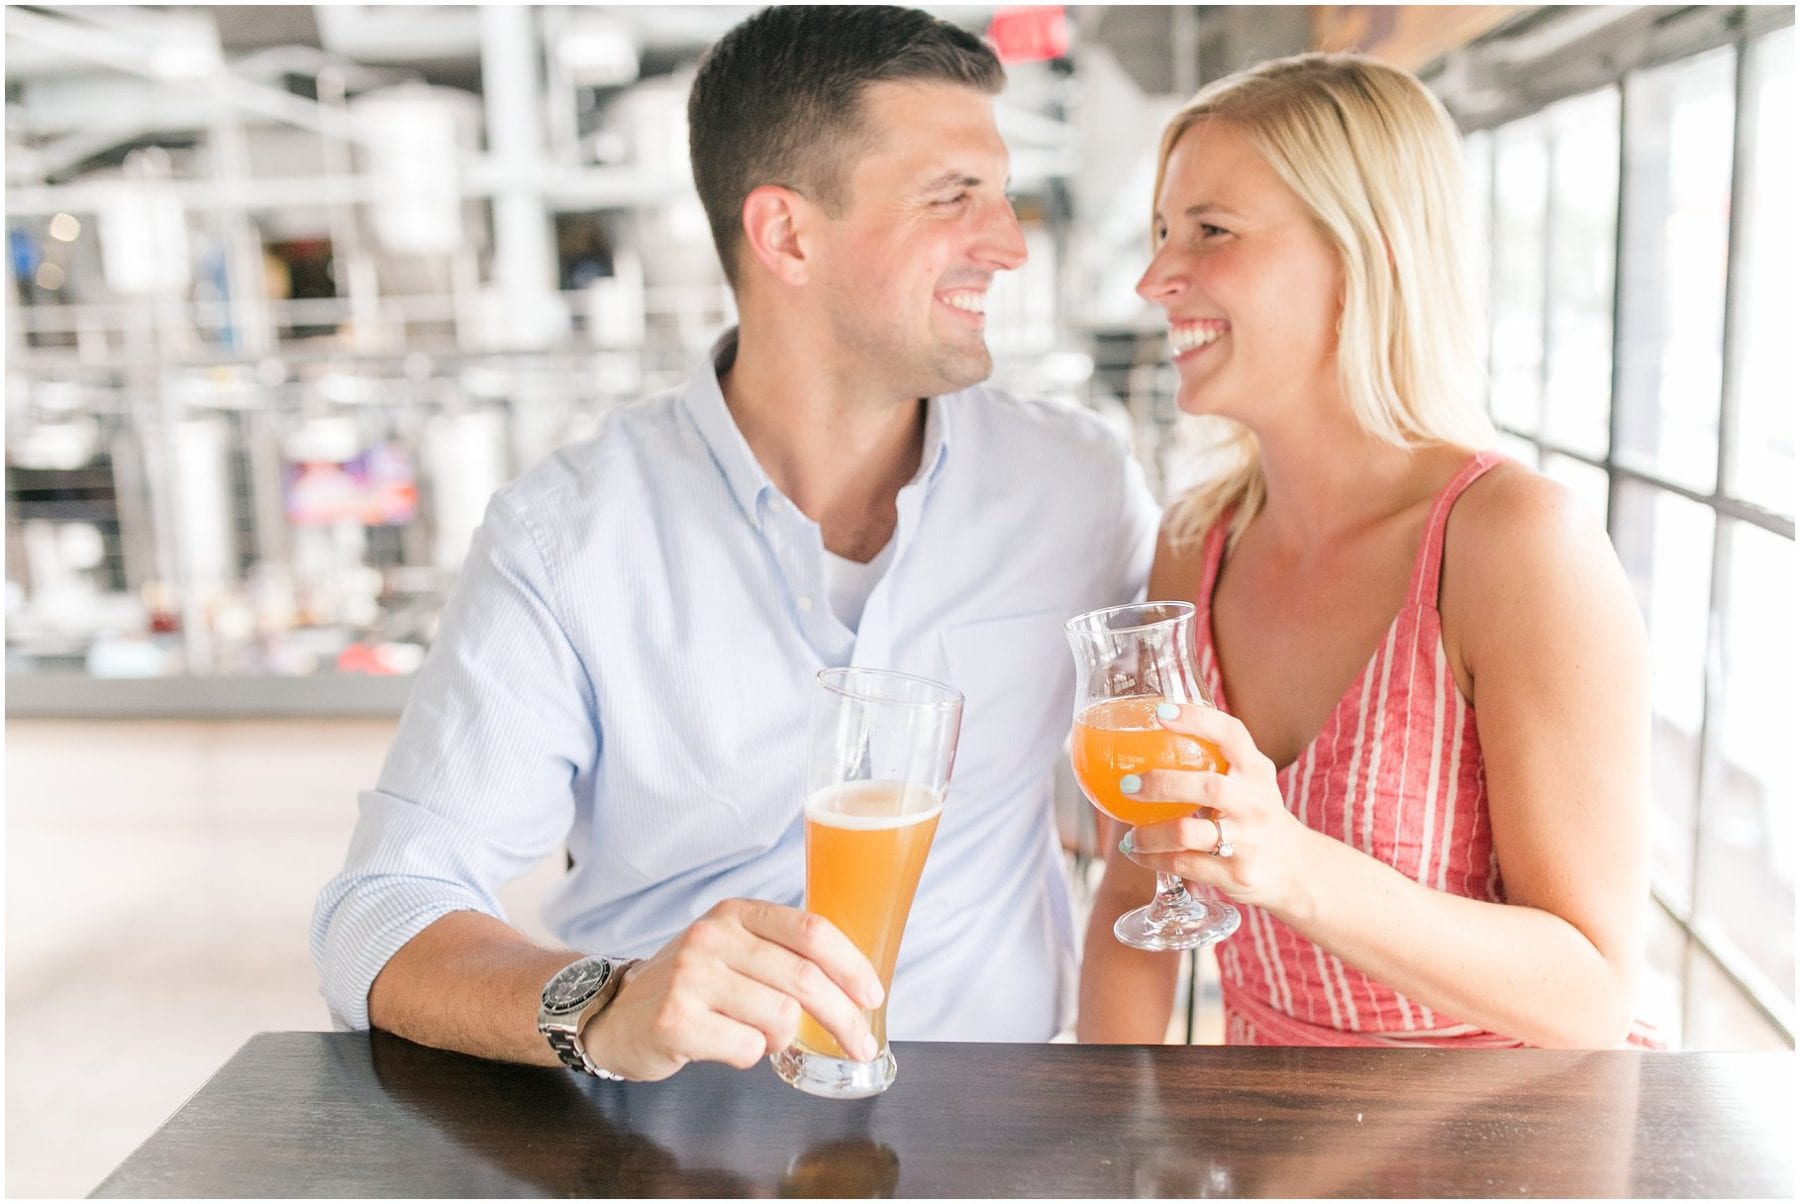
x,y
1016,677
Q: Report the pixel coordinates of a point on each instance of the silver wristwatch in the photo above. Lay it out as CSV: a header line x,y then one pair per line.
x,y
571,998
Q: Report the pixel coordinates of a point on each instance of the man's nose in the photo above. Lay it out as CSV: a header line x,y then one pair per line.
x,y
1004,244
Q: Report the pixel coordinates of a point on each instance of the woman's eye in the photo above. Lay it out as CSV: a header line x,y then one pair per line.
x,y
1207,231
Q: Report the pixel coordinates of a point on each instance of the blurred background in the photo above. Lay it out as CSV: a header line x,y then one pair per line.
x,y
293,289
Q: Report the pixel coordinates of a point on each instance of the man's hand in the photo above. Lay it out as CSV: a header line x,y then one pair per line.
x,y
731,989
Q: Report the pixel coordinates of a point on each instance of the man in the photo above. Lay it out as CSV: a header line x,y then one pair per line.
x,y
625,666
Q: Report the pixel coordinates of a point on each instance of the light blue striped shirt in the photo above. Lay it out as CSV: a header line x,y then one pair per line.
x,y
624,670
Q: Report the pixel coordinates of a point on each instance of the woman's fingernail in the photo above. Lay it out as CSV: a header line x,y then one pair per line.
x,y
1131,783
872,994
870,1050
1128,846
1167,710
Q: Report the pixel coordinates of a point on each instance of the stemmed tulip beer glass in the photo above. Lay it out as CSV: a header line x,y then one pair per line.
x,y
1129,660
880,747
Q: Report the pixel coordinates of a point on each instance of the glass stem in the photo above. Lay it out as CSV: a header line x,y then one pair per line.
x,y
1171,896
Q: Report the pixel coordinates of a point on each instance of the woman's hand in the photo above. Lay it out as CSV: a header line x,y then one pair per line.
x,y
1266,843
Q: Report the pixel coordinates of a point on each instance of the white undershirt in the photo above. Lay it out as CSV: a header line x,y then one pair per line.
x,y
849,584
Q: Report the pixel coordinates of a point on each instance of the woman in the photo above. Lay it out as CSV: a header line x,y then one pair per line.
x,y
1430,670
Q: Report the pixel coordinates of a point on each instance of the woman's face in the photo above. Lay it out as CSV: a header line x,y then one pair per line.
x,y
1251,285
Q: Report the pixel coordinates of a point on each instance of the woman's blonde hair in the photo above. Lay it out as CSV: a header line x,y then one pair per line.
x,y
1376,159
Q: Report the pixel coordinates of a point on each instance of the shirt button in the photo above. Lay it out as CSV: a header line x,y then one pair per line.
x,y
803,602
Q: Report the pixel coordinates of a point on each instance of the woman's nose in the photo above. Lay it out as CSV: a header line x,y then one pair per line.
x,y
1161,282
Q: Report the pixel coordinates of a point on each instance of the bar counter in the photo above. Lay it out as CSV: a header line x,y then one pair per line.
x,y
359,1114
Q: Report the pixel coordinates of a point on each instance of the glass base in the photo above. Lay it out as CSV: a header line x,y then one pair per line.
x,y
836,1078
1188,926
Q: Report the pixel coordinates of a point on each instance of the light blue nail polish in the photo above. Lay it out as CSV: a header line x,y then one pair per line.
x,y
1131,783
1167,710
1128,846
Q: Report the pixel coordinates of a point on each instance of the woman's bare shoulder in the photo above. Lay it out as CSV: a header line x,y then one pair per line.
x,y
1514,518
1524,557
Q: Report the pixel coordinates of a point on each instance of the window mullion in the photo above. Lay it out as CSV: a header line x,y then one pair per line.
x,y
1618,313
1742,147
1547,261
1712,689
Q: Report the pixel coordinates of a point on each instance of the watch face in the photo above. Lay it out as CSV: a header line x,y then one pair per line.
x,y
576,985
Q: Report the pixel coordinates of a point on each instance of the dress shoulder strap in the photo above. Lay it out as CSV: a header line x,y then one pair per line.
x,y
1212,556
1424,591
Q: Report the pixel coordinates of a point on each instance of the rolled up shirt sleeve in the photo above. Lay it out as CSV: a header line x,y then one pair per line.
x,y
479,784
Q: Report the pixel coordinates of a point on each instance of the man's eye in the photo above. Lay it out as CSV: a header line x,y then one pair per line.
x,y
958,199
1207,231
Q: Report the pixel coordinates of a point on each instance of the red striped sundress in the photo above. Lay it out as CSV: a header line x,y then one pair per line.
x,y
1396,771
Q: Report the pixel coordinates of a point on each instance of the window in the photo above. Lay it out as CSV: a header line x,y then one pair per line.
x,y
1661,537
1584,202
1679,130
1761,465
1641,308
1521,174
1744,856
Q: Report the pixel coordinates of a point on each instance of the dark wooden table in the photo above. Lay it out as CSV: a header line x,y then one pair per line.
x,y
340,1114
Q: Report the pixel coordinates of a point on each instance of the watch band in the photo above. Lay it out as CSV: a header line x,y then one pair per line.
x,y
568,1047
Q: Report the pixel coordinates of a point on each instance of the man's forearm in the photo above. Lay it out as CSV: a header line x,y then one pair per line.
x,y
470,983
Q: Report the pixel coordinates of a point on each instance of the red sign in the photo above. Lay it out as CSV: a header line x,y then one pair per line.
x,y
1030,35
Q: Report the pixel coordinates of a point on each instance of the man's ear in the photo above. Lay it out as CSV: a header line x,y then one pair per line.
x,y
774,221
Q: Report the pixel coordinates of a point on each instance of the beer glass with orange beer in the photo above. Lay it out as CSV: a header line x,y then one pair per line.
x,y
1128,661
880,747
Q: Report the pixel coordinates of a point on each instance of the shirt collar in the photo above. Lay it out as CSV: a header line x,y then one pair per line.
x,y
747,478
937,438
706,405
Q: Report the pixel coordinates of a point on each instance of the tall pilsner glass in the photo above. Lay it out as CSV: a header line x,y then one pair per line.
x,y
879,750
1128,661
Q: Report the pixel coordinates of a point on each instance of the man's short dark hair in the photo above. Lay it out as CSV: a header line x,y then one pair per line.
x,y
778,100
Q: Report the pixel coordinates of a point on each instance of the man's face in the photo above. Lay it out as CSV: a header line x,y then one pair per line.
x,y
904,269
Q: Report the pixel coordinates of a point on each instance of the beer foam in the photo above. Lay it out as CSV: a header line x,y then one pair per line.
x,y
871,806
1133,714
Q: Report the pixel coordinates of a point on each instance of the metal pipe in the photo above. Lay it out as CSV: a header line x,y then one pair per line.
x,y
560,188
524,253
96,44
252,333
355,278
